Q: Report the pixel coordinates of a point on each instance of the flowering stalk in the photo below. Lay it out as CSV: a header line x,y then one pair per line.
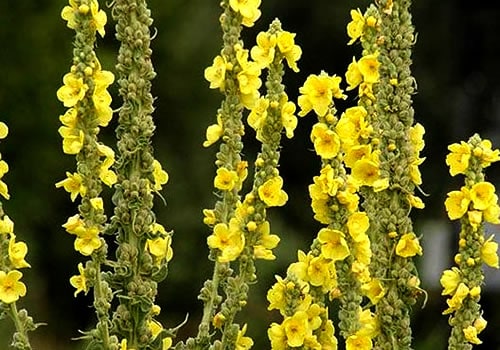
x,y
240,230
144,245
474,204
231,170
387,163
269,116
85,94
12,258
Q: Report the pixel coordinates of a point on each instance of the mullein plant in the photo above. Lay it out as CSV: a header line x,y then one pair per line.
x,y
337,264
240,230
474,204
85,95
12,259
384,161
144,245
362,260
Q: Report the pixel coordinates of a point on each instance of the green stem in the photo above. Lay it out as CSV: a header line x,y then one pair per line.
x,y
21,338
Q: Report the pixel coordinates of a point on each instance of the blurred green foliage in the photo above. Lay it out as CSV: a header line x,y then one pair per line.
x,y
458,94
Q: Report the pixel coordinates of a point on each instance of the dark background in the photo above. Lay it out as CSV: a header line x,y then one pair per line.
x,y
456,62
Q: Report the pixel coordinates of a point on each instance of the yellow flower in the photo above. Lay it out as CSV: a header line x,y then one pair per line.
x,y
6,225
355,153
326,141
368,67
349,198
271,192
470,334
216,73
266,242
249,10
299,268
358,342
333,244
160,176
72,139
353,75
225,180
326,336
482,195
455,302
214,132
374,290
352,126
318,271
97,203
4,190
79,281
492,213
366,172
288,119
102,104
457,203
366,89
155,328
17,253
4,130
408,246
296,328
486,154
106,175
475,218
73,183
243,342
489,253
166,343
248,79
357,225
10,286
277,336
369,323
355,27
480,324
458,158
317,93
276,296
415,202
363,252
257,116
72,91
209,217
416,134
449,281
286,45
325,184
228,239
68,14
98,17
160,248
87,240
263,52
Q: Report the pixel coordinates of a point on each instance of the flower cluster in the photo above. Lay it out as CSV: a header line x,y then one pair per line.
x,y
382,148
12,259
240,231
85,93
337,266
363,73
144,245
268,115
474,204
